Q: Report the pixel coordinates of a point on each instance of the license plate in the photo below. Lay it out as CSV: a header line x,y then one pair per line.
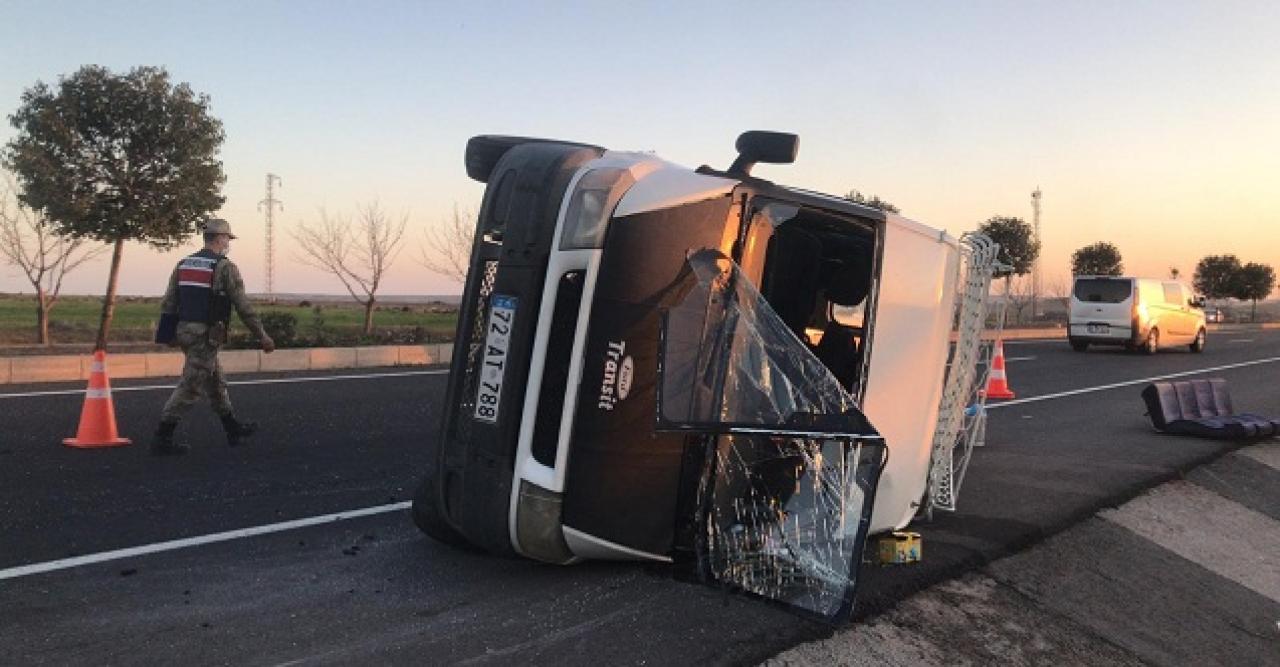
x,y
1099,328
502,314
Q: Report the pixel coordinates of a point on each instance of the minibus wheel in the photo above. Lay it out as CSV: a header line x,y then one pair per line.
x,y
1197,345
428,518
1079,345
1153,342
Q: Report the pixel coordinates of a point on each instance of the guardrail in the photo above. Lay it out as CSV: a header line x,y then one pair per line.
x,y
68,367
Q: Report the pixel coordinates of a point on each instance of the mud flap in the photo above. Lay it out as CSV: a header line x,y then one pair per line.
x,y
791,464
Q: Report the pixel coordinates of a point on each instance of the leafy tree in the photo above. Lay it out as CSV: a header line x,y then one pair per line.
x,y
1215,276
1253,282
118,157
872,201
1018,245
1098,259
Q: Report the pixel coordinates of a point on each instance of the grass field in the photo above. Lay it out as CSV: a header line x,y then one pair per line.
x,y
75,320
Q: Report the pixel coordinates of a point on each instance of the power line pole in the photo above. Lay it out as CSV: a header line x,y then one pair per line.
x,y
269,205
1036,277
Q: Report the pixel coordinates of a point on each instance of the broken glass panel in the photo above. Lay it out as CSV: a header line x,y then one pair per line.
x,y
728,361
792,464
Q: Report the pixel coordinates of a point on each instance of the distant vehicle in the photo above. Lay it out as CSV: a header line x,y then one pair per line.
x,y
1139,313
1215,315
702,367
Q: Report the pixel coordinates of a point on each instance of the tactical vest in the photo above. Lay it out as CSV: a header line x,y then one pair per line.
x,y
195,289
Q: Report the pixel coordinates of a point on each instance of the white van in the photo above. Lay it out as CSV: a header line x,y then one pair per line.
x,y
1139,313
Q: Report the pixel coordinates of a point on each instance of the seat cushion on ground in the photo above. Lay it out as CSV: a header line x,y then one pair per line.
x,y
1203,408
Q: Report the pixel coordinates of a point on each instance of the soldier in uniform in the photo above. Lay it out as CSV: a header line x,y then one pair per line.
x,y
202,291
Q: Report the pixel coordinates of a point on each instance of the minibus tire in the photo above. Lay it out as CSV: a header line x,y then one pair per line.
x,y
1197,345
1152,344
1079,345
428,519
485,151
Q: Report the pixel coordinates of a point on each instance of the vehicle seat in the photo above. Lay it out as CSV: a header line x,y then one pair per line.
x,y
791,282
840,349
1203,408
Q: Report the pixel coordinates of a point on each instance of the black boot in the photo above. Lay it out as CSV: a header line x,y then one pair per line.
x,y
163,445
237,432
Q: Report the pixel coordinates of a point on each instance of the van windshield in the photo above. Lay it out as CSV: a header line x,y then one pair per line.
x,y
1103,290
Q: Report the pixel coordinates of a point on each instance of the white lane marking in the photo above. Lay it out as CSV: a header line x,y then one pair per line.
x,y
170,545
1129,383
152,387
1007,359
1240,340
1265,453
1218,534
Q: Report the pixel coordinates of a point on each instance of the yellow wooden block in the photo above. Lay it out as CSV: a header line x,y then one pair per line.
x,y
899,548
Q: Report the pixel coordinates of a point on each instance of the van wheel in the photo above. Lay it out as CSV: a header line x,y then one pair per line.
x,y
1197,345
1152,345
429,519
1079,346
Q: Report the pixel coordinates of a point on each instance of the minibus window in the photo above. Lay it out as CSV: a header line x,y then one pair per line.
x,y
1103,290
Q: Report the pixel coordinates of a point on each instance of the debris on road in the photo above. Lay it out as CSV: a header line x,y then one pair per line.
x,y
1203,408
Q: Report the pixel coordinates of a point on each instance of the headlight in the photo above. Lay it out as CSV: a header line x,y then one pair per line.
x,y
590,206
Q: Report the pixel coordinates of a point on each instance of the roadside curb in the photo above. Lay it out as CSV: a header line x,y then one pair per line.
x,y
67,367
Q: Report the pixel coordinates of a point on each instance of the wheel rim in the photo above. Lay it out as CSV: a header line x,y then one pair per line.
x,y
1200,339
1153,341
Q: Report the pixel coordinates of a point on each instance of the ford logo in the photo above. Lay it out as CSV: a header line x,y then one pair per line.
x,y
625,372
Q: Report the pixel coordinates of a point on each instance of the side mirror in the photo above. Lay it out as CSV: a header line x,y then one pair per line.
x,y
1197,302
759,146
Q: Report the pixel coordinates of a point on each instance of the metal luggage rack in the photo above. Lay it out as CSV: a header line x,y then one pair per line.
x,y
962,415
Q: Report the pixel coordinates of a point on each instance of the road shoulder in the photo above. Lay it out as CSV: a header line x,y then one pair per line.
x,y
1179,575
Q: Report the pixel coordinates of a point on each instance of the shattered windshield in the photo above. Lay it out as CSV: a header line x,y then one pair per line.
x,y
729,361
791,464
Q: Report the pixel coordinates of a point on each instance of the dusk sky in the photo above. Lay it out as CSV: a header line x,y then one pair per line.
x,y
1152,125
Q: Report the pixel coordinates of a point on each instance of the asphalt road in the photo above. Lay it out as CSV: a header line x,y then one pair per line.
x,y
372,589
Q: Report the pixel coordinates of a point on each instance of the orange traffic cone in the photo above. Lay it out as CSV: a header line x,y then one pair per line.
x,y
98,417
997,383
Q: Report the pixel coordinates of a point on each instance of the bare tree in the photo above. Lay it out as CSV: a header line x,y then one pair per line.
x,y
1019,292
359,252
1059,292
29,242
451,242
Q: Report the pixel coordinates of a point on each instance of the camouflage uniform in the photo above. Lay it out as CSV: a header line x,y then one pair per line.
x,y
202,373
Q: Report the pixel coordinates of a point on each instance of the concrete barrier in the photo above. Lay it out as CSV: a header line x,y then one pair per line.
x,y
240,361
45,369
123,367
425,355
286,360
332,357
368,357
73,367
160,364
413,355
62,368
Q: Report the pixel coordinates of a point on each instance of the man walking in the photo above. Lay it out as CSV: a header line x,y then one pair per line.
x,y
195,314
